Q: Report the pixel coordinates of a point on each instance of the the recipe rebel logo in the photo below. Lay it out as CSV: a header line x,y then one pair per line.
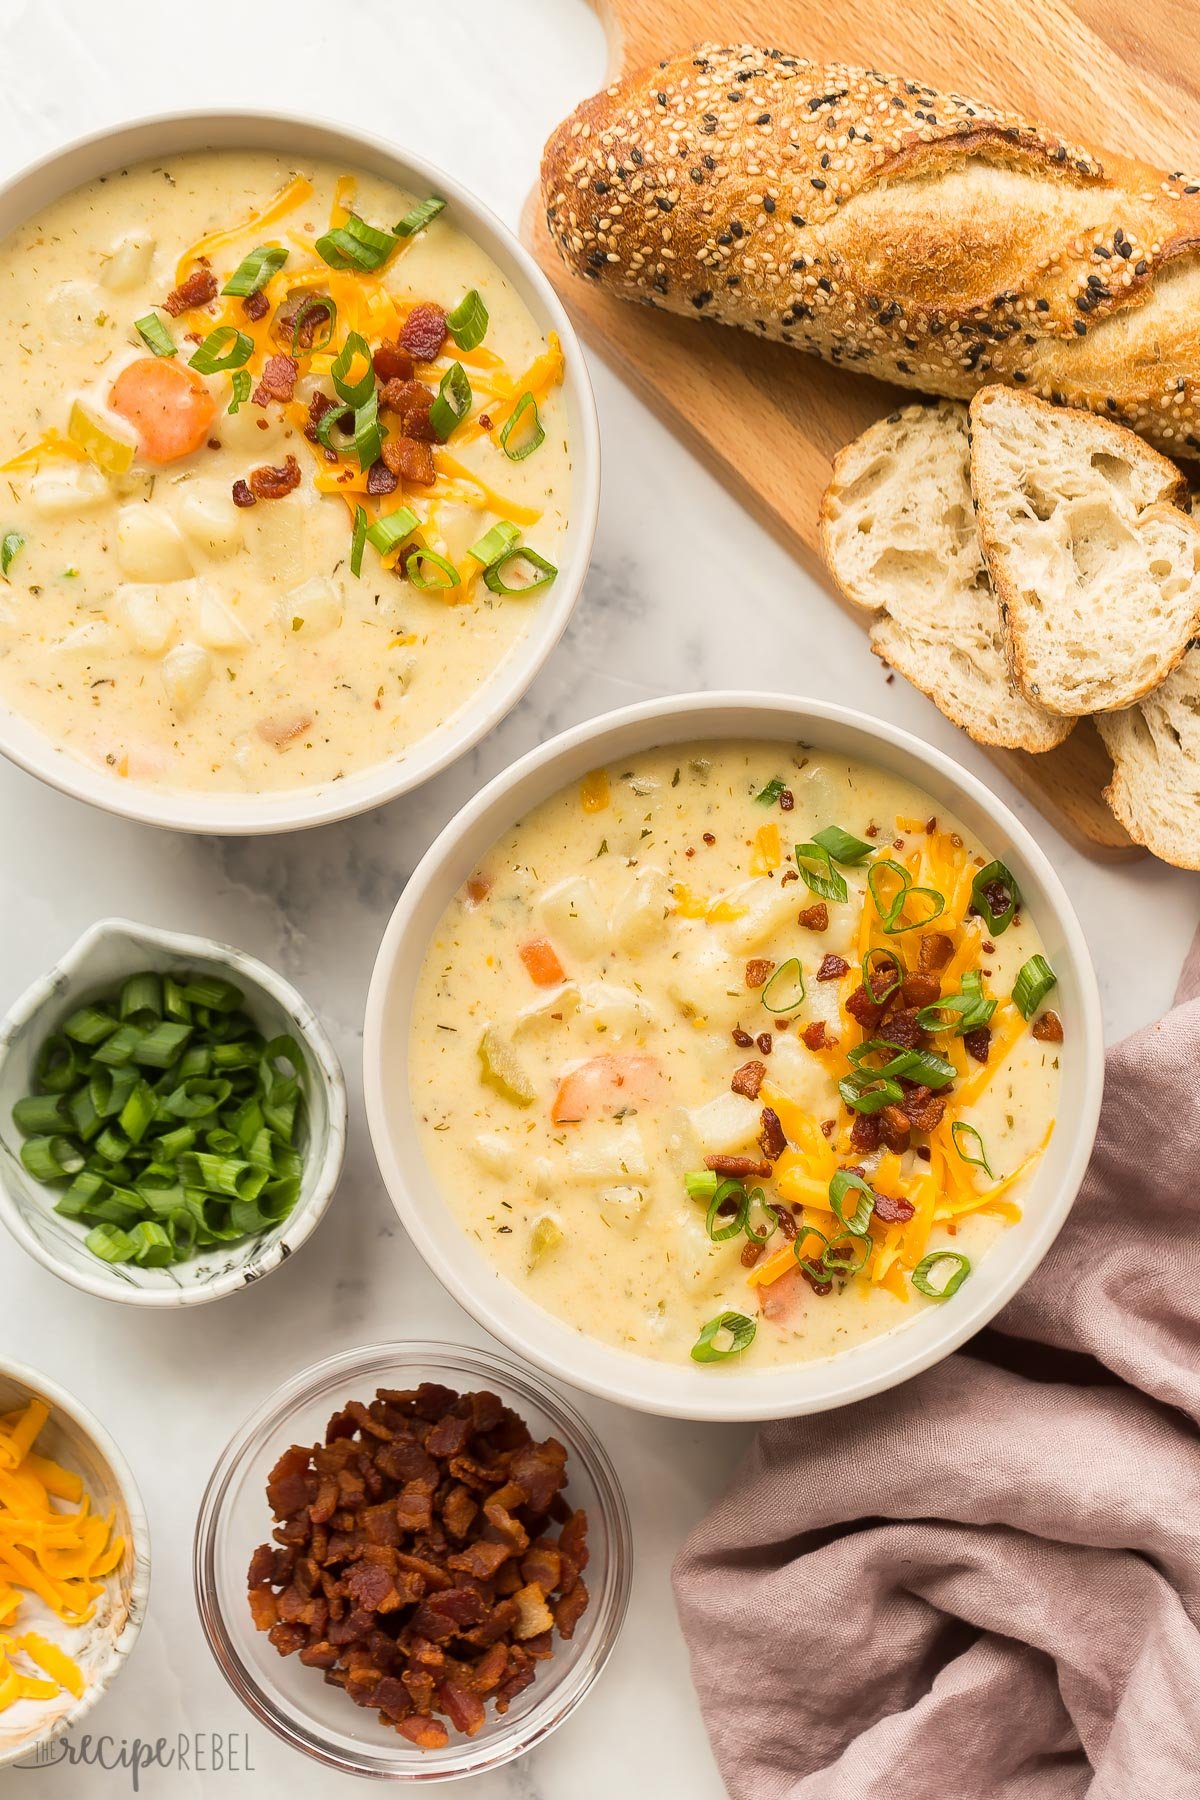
x,y
191,1753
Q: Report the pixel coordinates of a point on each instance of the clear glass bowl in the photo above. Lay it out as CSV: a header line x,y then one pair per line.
x,y
294,1701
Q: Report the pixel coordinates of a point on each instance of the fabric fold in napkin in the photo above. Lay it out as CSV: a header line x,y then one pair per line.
x,y
985,1584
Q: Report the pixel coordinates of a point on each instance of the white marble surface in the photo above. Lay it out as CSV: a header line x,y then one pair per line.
x,y
679,570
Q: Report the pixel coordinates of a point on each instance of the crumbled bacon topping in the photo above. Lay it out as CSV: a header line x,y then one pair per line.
x,y
424,332
815,917
414,1560
268,483
1047,1028
757,971
410,460
199,288
748,1079
832,968
278,380
391,362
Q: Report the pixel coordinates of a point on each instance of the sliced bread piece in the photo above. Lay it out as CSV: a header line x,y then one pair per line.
x,y
1096,567
898,533
1155,747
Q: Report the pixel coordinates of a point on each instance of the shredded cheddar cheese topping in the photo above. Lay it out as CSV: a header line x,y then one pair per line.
x,y
59,1553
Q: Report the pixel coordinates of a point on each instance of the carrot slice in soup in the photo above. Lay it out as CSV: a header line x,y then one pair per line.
x,y
168,405
538,955
608,1084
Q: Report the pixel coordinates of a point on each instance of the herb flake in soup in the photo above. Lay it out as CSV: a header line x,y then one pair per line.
x,y
258,422
725,1054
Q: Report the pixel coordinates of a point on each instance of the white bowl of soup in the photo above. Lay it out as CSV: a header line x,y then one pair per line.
x,y
300,471
733,1057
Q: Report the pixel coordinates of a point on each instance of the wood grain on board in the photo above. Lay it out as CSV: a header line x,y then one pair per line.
x,y
768,420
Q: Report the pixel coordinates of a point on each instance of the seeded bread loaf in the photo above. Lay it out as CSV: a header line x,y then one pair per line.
x,y
1096,567
928,239
898,533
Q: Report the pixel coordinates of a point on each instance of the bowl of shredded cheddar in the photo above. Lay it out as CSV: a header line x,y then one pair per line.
x,y
74,1561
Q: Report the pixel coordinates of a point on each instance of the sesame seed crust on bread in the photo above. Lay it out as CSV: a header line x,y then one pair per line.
x,y
922,237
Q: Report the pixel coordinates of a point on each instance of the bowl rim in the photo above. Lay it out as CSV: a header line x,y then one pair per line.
x,y
751,1396
302,808
365,1361
43,991
64,1403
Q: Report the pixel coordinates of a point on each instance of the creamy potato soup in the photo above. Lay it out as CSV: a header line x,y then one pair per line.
x,y
736,1051
285,470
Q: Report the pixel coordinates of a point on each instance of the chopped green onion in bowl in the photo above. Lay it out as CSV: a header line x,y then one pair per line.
x,y
165,1121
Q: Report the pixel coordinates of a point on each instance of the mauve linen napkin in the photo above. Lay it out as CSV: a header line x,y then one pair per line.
x,y
985,1584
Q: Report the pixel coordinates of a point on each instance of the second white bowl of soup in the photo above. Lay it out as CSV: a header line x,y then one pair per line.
x,y
300,471
733,1057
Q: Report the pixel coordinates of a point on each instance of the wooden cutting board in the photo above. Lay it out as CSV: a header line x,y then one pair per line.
x,y
767,420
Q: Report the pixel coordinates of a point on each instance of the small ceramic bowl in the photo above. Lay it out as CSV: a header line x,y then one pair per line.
x,y
106,953
172,134
688,1390
293,1700
72,1437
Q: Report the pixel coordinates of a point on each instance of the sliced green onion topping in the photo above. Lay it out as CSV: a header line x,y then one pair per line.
x,y
420,560
892,911
1003,891
418,218
720,1229
357,392
468,323
739,1329
769,795
358,540
915,1065
368,436
356,245
961,1012
534,431
844,1182
306,313
869,1091
392,529
785,989
224,348
816,865
155,335
1034,981
241,389
10,544
871,969
841,846
761,1208
254,271
961,1133
452,402
155,1153
493,544
701,1184
924,1269
339,419
522,558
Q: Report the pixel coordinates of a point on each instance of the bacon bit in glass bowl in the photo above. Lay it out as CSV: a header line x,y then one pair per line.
x,y
558,1629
